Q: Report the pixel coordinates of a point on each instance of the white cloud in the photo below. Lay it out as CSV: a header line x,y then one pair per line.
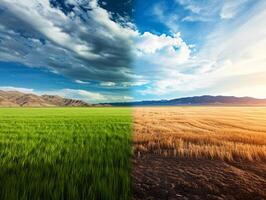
x,y
88,96
107,84
210,10
79,94
47,20
19,89
201,10
173,81
164,64
233,50
161,49
81,82
231,8
150,43
138,82
84,43
159,59
238,50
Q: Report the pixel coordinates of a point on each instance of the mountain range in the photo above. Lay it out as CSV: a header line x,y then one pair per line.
x,y
19,99
197,100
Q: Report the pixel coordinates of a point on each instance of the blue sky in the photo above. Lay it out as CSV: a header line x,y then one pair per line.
x,y
113,50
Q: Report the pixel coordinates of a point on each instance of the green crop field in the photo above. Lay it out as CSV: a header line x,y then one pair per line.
x,y
65,153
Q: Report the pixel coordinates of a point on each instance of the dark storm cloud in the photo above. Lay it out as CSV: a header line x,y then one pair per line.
x,y
75,38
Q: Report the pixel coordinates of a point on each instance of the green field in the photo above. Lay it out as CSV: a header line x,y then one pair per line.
x,y
65,153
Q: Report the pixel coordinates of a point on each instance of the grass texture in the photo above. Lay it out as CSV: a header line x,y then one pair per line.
x,y
65,153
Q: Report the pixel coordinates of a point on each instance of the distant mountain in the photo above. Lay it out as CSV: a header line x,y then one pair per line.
x,y
59,101
198,100
19,99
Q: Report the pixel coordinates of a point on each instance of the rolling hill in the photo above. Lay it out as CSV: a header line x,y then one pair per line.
x,y
19,99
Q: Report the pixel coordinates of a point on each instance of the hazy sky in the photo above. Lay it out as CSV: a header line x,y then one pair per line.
x,y
114,50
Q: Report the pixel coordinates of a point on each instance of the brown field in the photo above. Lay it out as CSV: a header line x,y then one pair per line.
x,y
191,152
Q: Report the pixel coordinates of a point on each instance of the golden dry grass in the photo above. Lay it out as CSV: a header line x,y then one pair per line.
x,y
227,133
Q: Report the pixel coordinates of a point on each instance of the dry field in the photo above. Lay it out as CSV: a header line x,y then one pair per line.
x,y
199,153
226,133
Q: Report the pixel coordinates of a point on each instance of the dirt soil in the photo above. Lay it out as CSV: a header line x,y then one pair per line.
x,y
159,177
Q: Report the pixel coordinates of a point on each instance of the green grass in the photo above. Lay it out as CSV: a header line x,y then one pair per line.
x,y
65,153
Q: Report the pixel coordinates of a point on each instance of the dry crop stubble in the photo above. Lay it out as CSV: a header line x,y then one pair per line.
x,y
226,133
